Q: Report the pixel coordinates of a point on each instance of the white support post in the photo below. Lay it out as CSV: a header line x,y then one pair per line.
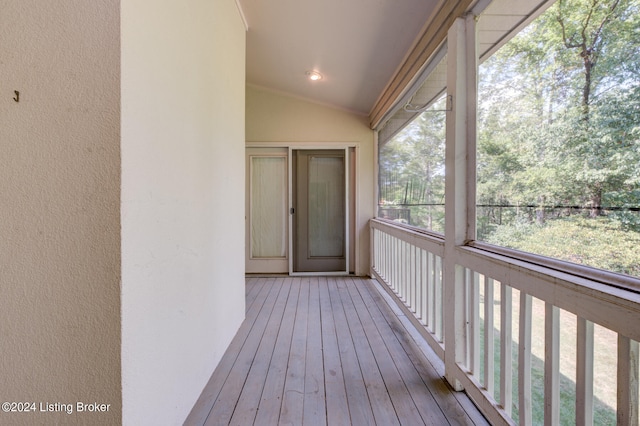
x,y
627,381
551,365
462,65
584,373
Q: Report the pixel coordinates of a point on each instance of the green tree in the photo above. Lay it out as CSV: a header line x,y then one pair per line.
x,y
597,37
412,168
559,117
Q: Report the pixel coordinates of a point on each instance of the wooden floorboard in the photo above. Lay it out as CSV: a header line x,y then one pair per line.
x,y
227,399
383,410
245,410
271,400
336,395
293,398
202,408
423,402
327,351
357,395
456,406
314,412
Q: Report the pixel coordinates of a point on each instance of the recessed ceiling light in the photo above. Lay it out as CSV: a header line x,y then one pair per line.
x,y
314,75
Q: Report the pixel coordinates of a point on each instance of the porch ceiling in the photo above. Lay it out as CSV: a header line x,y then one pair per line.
x,y
356,45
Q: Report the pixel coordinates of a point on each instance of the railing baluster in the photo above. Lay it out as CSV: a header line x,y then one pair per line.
x,y
412,277
374,245
474,310
396,265
524,360
551,365
417,255
584,372
405,260
416,277
489,369
382,253
407,271
431,304
627,381
506,350
387,256
407,278
438,299
468,301
423,286
378,253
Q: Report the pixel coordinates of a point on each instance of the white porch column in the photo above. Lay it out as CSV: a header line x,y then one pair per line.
x,y
460,226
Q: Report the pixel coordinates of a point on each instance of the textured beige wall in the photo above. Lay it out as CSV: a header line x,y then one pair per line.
x,y
60,209
275,117
183,101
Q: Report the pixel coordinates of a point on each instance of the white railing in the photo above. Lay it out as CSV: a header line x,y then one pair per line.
x,y
410,264
539,345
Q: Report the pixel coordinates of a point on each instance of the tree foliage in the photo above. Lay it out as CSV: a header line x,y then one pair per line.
x,y
570,136
412,170
559,135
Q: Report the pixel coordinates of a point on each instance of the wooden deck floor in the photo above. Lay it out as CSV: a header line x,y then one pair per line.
x,y
327,351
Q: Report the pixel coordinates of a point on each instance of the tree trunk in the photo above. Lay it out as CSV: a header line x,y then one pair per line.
x,y
540,217
596,203
586,89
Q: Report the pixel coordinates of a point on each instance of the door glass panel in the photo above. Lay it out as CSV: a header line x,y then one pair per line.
x,y
326,206
268,206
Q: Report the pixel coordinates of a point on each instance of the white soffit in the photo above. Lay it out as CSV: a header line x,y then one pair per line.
x,y
502,19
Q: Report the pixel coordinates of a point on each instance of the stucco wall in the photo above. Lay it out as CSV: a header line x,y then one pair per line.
x,y
274,117
60,209
183,100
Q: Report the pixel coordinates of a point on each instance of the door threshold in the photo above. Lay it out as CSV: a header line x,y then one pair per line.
x,y
320,274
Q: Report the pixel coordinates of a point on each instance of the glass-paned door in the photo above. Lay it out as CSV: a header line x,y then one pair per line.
x,y
267,210
319,211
